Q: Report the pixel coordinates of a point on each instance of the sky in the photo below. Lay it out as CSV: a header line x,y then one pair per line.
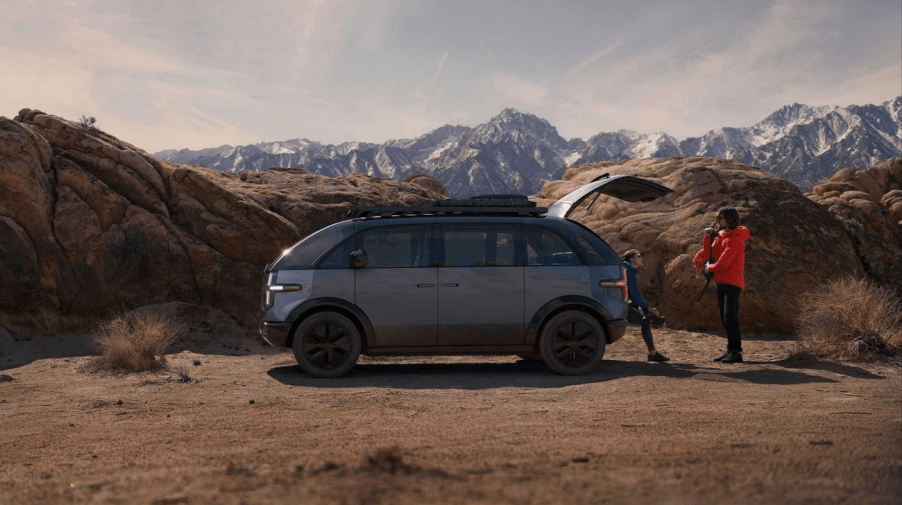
x,y
174,74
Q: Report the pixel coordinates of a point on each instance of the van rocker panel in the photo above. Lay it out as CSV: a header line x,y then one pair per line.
x,y
451,350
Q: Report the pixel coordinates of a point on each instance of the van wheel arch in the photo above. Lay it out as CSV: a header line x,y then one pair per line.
x,y
352,312
562,304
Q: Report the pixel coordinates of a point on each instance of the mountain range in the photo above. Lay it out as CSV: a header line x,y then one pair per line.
x,y
517,152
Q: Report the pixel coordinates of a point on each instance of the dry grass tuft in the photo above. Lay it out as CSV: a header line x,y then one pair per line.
x,y
849,319
388,460
391,460
133,342
183,374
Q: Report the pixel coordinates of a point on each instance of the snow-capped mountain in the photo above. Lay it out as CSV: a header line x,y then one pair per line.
x,y
807,145
517,152
511,153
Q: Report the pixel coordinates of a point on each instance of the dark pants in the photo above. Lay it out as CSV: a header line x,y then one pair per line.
x,y
728,300
639,313
646,335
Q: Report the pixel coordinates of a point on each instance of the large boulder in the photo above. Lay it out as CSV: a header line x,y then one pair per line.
x,y
795,243
89,223
869,205
34,269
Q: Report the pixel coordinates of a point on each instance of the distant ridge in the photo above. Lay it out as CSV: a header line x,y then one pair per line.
x,y
516,152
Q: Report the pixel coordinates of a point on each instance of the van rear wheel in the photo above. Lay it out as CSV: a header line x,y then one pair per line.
x,y
572,343
327,345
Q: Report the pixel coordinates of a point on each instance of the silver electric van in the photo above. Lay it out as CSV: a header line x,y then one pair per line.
x,y
492,274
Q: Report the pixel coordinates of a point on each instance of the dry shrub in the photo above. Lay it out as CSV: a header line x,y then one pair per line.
x,y
849,319
133,341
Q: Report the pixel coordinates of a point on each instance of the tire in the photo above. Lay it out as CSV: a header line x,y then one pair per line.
x,y
327,345
572,343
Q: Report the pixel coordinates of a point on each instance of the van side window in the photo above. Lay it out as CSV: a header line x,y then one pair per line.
x,y
546,248
340,257
406,247
479,247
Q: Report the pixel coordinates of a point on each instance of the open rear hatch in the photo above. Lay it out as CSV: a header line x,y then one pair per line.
x,y
624,187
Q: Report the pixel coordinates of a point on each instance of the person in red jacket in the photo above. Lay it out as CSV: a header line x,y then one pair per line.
x,y
729,274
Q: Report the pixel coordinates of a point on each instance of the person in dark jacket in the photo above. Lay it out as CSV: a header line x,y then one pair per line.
x,y
729,274
632,261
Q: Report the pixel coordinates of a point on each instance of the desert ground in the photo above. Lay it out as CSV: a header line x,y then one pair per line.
x,y
250,427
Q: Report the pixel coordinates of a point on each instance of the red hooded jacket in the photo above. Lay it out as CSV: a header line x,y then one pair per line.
x,y
729,254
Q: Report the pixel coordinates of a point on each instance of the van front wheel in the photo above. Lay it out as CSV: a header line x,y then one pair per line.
x,y
327,345
572,343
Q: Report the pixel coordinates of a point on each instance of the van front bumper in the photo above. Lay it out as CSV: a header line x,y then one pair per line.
x,y
617,328
275,334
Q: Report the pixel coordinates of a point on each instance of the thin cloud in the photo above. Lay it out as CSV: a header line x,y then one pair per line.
x,y
582,66
512,90
37,85
346,70
374,17
438,71
95,48
429,84
874,87
736,84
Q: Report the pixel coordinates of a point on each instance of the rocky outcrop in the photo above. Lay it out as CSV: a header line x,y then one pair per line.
x,y
90,223
869,205
795,243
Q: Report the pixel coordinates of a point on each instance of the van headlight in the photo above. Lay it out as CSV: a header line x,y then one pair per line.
x,y
272,288
267,292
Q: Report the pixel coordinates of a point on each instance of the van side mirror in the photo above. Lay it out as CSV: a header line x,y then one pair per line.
x,y
358,258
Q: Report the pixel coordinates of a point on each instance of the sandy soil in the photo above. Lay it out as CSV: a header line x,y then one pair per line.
x,y
252,428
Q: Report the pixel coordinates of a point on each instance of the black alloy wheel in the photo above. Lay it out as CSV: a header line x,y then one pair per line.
x,y
327,345
572,343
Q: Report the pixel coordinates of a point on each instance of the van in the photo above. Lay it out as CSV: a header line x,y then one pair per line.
x,y
492,274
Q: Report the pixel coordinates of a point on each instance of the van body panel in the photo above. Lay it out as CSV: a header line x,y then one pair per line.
x,y
480,306
401,304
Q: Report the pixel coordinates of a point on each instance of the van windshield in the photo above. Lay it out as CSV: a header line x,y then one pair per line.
x,y
304,254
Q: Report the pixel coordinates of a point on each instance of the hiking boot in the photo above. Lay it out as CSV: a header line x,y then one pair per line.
x,y
726,354
734,357
658,357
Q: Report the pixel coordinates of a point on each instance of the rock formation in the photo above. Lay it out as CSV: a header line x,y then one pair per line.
x,y
89,223
795,243
869,205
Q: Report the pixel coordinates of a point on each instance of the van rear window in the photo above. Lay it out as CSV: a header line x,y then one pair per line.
x,y
596,250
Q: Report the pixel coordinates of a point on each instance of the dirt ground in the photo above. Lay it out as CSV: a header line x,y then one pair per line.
x,y
250,427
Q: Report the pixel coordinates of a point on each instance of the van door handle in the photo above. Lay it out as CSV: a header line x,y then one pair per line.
x,y
425,285
449,285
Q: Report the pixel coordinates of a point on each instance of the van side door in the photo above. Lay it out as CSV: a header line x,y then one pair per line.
x,y
397,288
480,295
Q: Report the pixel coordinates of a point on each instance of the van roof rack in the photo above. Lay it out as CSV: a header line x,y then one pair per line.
x,y
480,205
